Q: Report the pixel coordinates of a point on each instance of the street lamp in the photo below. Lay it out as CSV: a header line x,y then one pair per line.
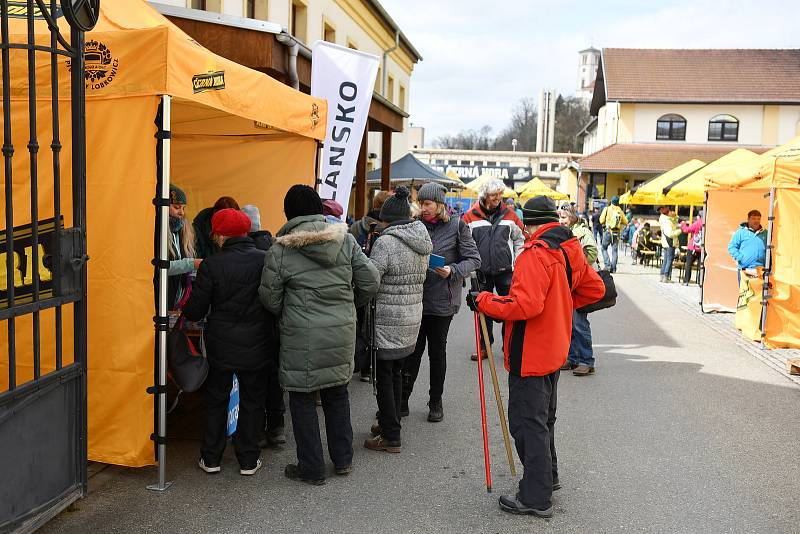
x,y
513,145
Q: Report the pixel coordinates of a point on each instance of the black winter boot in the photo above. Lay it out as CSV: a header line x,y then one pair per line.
x,y
435,411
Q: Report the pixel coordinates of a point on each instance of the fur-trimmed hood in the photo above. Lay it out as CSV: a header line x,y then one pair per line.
x,y
314,237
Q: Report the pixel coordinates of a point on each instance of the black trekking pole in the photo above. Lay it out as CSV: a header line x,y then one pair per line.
x,y
373,349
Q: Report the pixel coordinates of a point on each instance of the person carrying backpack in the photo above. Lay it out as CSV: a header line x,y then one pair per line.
x,y
613,220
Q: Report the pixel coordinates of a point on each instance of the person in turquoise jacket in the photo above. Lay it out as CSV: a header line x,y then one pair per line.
x,y
748,245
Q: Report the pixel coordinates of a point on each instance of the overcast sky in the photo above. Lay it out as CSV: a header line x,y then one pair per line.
x,y
481,56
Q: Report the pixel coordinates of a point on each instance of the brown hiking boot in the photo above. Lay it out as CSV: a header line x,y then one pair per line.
x,y
375,430
568,366
379,443
583,370
474,356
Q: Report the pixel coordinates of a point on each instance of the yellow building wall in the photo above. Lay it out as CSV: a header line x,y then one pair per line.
x,y
627,116
771,119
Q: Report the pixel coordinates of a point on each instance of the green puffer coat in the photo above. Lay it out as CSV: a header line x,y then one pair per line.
x,y
315,275
584,235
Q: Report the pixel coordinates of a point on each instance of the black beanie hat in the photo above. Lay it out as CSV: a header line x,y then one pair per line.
x,y
396,207
301,200
539,210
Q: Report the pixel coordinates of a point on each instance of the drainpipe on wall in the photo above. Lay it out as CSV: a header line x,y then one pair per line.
x,y
292,49
385,80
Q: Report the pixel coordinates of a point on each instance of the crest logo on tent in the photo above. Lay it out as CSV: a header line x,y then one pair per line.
x,y
314,115
100,65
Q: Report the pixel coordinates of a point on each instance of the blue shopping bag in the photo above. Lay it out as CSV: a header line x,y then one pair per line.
x,y
233,407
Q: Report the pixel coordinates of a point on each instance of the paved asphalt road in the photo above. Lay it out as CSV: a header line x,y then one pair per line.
x,y
679,431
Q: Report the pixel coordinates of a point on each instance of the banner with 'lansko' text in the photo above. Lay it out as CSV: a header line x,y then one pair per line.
x,y
345,78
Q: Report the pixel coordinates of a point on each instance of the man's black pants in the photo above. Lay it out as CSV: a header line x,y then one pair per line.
x,y
388,376
216,396
531,418
433,329
500,284
305,423
274,405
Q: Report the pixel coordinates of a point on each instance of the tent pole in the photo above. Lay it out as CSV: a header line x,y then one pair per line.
x,y
160,434
703,249
767,268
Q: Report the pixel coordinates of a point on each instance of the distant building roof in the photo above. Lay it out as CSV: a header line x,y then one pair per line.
x,y
698,76
653,158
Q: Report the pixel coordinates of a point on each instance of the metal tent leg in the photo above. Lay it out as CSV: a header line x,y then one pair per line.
x,y
162,205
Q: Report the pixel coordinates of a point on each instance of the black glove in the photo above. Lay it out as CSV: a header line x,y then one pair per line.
x,y
472,300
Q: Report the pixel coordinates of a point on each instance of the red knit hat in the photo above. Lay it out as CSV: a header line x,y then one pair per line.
x,y
230,223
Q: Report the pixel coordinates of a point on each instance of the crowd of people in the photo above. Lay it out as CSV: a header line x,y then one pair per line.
x,y
294,312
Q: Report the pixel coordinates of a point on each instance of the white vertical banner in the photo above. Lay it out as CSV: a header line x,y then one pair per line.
x,y
345,78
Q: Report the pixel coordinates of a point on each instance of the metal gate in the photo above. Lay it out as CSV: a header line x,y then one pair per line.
x,y
43,275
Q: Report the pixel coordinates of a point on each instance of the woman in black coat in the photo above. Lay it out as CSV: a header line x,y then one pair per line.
x,y
240,338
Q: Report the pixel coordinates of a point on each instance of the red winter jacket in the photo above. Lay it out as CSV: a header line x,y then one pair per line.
x,y
538,308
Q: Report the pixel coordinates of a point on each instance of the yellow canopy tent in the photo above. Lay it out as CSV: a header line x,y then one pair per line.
x,y
536,188
774,189
475,185
651,192
234,131
625,198
690,189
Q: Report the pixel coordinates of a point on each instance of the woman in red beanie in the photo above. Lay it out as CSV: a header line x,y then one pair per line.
x,y
240,338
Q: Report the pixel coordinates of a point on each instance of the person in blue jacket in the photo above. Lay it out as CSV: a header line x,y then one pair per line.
x,y
748,245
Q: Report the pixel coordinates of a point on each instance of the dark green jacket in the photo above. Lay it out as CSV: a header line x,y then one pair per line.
x,y
315,275
204,246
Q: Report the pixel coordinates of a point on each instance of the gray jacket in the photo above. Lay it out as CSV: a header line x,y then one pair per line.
x,y
401,256
453,240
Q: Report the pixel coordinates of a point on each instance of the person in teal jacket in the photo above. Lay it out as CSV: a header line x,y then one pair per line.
x,y
748,245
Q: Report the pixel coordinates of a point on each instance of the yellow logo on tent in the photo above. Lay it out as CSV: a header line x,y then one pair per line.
x,y
210,81
19,10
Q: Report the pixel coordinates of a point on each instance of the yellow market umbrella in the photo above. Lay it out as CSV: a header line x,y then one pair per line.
x,y
625,198
651,192
536,188
690,190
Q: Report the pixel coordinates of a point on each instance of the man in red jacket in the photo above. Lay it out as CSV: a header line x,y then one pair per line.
x,y
538,324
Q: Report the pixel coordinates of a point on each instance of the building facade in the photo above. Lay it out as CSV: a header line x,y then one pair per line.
x,y
359,24
655,109
514,168
589,59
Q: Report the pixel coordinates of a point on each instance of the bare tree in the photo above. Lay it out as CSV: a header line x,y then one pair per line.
x,y
522,127
572,114
467,140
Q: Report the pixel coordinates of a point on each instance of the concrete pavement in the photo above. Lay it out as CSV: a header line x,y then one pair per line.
x,y
681,430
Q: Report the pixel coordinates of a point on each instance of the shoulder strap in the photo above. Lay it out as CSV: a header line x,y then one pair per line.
x,y
568,266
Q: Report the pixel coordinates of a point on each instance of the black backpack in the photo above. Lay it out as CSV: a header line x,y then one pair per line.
x,y
188,364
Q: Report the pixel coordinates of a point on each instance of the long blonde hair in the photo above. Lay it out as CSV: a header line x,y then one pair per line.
x,y
442,212
186,238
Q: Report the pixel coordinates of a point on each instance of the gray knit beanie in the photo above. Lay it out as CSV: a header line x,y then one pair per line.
x,y
432,191
251,210
396,207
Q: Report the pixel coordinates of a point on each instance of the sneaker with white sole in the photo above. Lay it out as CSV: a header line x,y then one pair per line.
x,y
248,472
208,469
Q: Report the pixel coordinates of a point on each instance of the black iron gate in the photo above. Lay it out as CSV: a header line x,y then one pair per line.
x,y
43,275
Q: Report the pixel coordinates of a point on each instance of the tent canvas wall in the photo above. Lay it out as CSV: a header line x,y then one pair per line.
x,y
234,132
775,190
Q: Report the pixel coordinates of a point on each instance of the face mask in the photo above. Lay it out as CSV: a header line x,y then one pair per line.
x,y
175,224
